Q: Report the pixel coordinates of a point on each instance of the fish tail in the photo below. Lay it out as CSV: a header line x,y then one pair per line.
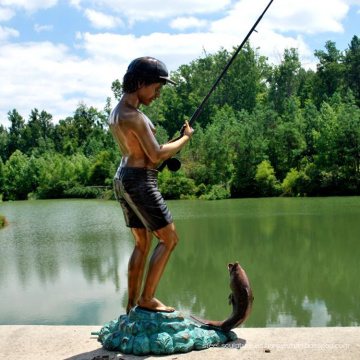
x,y
216,324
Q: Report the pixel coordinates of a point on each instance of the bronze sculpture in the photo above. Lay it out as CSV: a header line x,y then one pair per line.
x,y
135,182
241,299
151,326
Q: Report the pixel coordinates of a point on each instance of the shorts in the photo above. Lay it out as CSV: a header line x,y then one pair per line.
x,y
137,191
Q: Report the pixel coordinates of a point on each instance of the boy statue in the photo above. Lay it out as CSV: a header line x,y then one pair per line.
x,y
135,182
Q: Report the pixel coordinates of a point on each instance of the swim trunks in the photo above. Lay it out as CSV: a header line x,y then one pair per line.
x,y
137,191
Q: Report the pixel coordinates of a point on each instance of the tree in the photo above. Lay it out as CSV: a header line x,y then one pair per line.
x,y
4,143
249,150
102,170
218,144
330,73
284,79
18,182
39,131
266,181
84,120
66,136
1,176
15,131
348,137
352,67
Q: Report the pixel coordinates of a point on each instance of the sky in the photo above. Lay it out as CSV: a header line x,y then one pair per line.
x,y
57,53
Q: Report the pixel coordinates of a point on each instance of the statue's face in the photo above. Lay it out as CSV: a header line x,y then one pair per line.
x,y
149,93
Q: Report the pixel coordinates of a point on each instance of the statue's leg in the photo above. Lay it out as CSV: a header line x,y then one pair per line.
x,y
136,266
168,239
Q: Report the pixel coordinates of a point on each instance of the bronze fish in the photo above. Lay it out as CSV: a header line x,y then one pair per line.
x,y
241,299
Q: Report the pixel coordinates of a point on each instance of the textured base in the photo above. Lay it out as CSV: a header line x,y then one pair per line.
x,y
143,332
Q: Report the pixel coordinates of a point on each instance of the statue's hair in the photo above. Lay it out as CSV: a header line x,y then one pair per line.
x,y
131,81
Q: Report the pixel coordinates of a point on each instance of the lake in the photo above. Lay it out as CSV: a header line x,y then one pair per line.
x,y
64,262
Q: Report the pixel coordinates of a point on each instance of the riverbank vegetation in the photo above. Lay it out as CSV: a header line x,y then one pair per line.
x,y
267,130
3,221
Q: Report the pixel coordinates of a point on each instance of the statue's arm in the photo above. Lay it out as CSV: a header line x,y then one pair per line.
x,y
155,152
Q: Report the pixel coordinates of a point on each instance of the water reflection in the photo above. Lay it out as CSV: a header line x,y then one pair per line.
x,y
65,261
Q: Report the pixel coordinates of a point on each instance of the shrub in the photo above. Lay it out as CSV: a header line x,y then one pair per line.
x,y
3,221
57,174
102,169
289,183
83,192
18,181
266,182
296,183
174,184
218,192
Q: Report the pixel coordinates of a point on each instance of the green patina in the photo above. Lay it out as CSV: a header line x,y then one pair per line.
x,y
143,332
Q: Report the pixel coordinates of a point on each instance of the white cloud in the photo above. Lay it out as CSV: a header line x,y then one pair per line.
x,y
174,50
6,14
75,3
29,5
182,23
306,16
179,49
6,32
39,28
51,79
157,9
103,21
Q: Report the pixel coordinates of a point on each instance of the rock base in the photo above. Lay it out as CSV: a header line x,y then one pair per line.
x,y
143,332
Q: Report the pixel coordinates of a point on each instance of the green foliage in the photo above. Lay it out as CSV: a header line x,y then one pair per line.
x,y
38,132
218,192
18,177
102,170
83,192
4,143
263,125
3,221
329,77
59,174
16,130
352,67
2,178
289,184
116,88
267,184
284,79
249,150
174,184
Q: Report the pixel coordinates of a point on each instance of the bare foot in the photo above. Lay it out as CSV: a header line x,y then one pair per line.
x,y
129,307
153,305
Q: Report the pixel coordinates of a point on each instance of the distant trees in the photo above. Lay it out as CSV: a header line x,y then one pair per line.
x,y
267,130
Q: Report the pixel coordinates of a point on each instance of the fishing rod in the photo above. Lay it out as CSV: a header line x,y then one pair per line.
x,y
174,164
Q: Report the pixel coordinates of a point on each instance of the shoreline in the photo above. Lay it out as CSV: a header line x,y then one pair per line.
x,y
43,342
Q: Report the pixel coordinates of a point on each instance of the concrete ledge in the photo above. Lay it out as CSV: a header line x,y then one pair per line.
x,y
76,343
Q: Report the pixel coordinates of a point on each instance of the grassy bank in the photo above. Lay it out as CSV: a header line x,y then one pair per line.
x,y
3,221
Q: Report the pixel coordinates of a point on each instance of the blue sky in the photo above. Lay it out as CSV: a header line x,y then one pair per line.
x,y
56,53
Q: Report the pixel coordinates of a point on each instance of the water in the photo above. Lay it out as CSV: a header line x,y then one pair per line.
x,y
64,262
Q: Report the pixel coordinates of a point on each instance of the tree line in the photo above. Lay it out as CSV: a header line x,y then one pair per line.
x,y
267,130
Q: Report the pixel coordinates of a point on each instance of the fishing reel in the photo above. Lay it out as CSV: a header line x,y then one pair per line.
x,y
173,164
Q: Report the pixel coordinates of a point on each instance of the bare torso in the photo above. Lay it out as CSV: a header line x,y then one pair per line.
x,y
134,132
123,121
